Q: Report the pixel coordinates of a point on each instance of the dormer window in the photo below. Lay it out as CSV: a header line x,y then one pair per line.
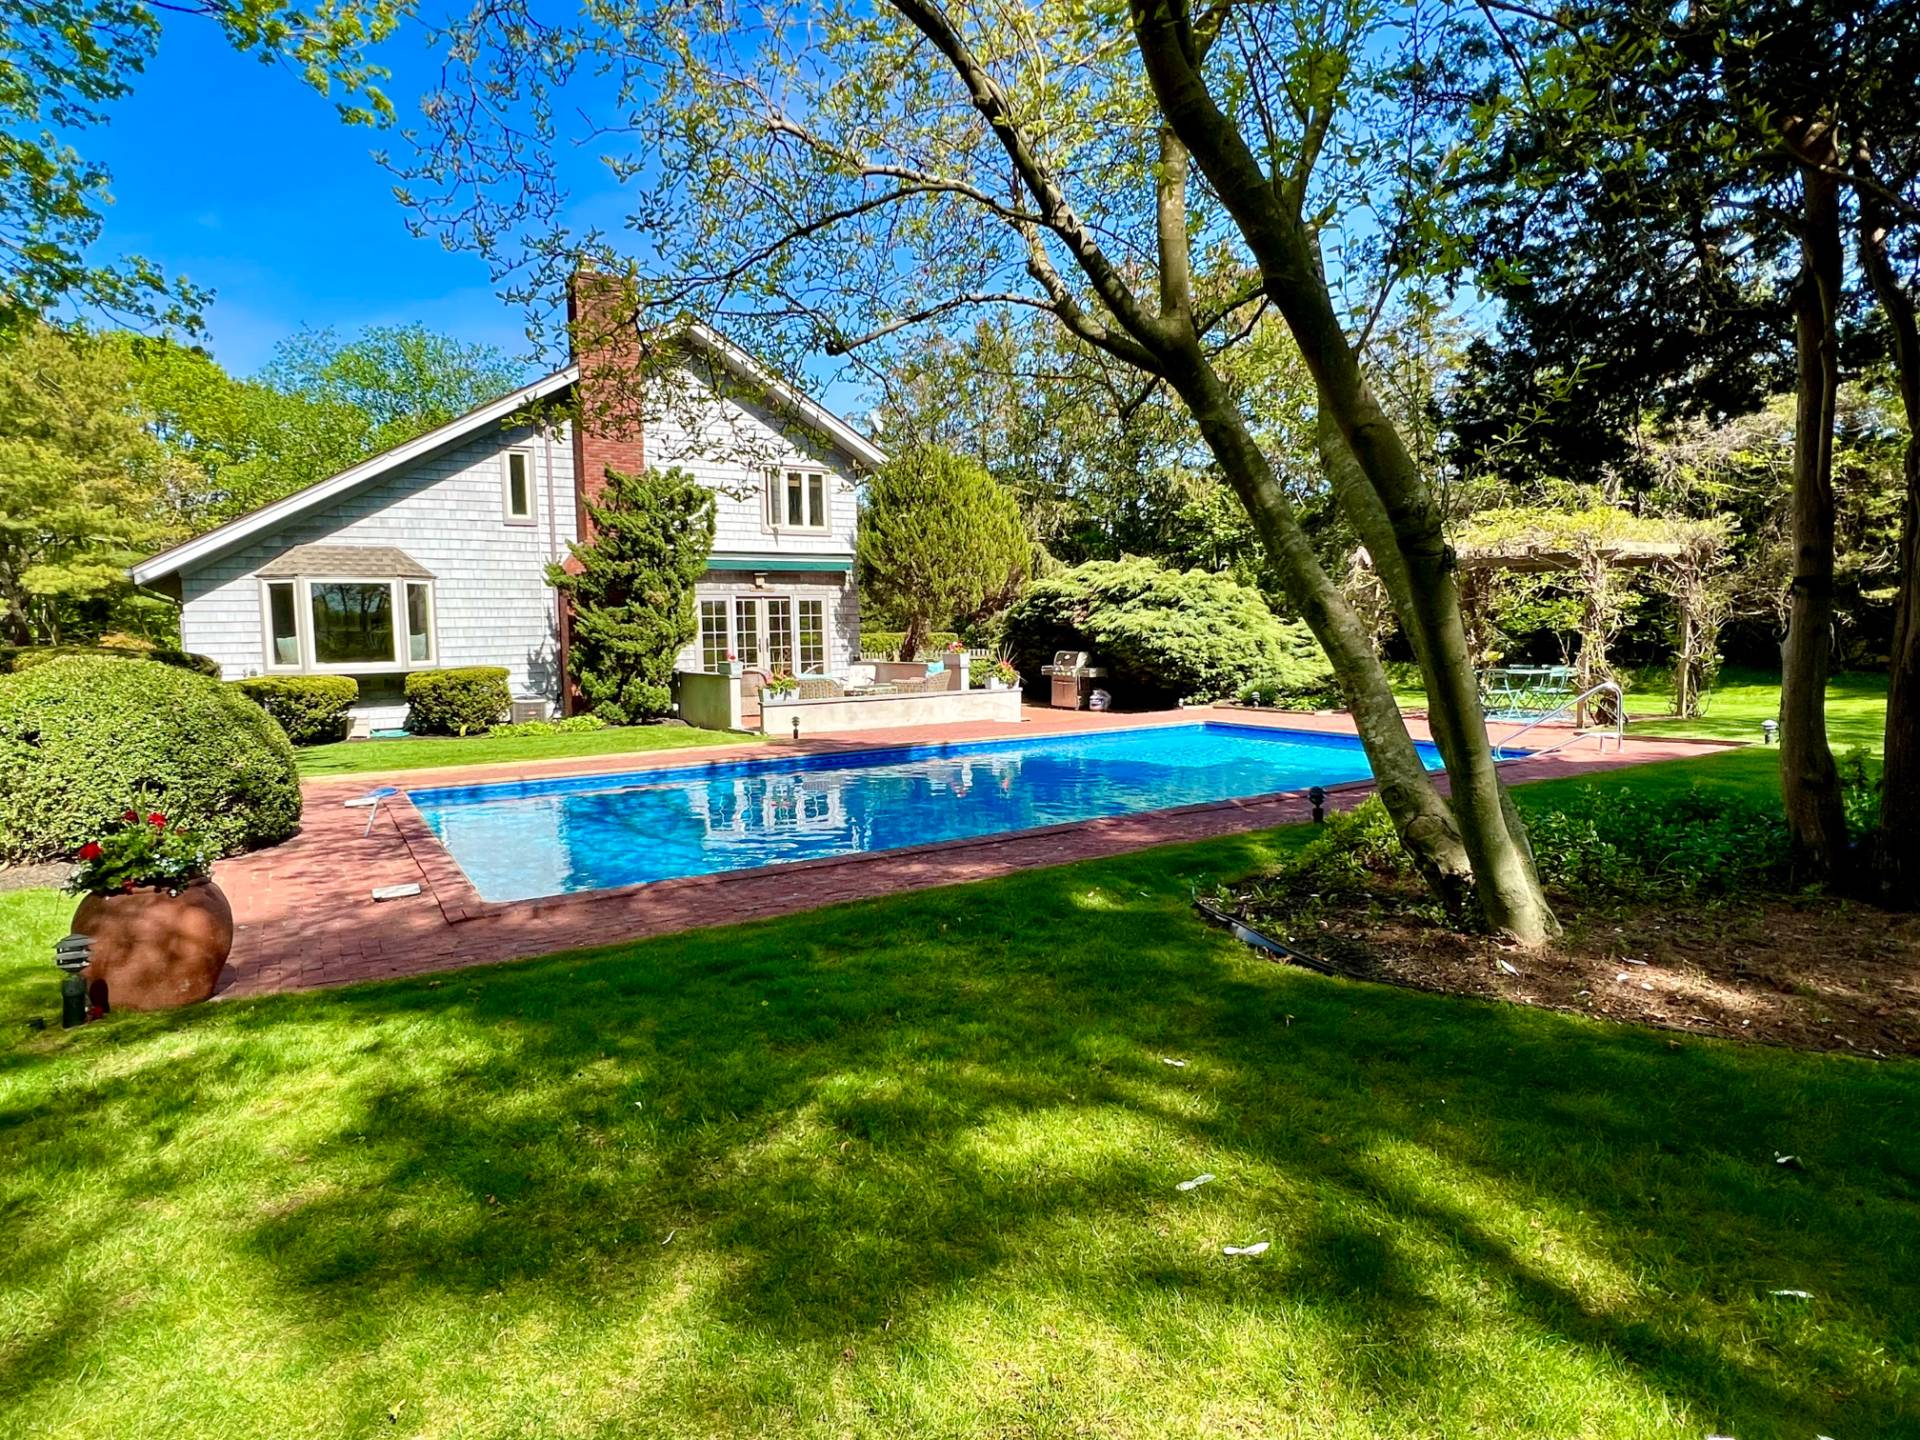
x,y
516,487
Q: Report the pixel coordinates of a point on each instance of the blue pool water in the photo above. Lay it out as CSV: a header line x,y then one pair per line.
x,y
591,832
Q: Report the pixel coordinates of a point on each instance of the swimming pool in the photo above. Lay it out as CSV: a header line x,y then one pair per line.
x,y
527,839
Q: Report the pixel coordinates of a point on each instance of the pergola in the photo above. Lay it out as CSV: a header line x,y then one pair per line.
x,y
1594,544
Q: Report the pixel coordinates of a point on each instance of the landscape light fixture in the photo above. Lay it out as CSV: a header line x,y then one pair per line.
x,y
1768,730
796,728
1319,799
72,955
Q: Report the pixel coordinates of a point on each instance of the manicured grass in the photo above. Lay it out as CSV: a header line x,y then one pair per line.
x,y
353,757
1741,699
908,1167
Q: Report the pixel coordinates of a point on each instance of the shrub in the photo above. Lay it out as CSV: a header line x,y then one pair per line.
x,y
888,642
81,735
14,658
1281,695
312,709
631,587
463,701
571,725
1163,635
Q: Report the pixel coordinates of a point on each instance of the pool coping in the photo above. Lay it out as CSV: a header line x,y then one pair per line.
x,y
305,919
460,900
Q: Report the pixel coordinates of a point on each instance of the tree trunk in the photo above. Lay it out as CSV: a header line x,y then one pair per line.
x,y
1268,219
1898,844
1363,510
1422,819
915,637
1809,780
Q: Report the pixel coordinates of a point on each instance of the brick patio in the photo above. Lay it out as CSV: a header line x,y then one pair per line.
x,y
305,917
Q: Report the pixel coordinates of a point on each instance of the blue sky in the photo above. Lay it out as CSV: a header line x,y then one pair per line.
x,y
236,175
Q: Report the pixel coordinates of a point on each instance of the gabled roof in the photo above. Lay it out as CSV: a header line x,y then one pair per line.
x,y
291,507
809,411
269,517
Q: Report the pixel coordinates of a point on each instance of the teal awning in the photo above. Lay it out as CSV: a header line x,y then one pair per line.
x,y
733,560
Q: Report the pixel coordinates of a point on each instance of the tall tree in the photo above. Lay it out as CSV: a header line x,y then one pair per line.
x,y
1717,149
322,403
940,540
83,485
862,172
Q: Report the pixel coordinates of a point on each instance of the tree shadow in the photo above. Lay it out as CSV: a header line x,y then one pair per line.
x,y
821,1137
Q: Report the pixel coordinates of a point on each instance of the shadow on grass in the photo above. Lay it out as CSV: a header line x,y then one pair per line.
x,y
884,1165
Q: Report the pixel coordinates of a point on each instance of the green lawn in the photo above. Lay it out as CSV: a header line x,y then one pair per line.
x,y
908,1167
352,757
1741,699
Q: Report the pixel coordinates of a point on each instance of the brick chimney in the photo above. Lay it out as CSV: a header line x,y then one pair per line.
x,y
603,330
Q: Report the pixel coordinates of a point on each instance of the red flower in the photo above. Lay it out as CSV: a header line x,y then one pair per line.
x,y
90,850
157,820
129,815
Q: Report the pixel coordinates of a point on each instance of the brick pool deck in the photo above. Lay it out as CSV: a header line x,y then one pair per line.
x,y
304,914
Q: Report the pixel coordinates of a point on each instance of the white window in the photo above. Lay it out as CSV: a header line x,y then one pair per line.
x,y
516,487
813,637
282,607
797,500
714,641
347,625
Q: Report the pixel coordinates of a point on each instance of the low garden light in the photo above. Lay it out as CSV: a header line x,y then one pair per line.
x,y
72,955
1318,799
796,728
1769,729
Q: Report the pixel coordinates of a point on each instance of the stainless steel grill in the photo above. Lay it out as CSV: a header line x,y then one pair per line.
x,y
1072,678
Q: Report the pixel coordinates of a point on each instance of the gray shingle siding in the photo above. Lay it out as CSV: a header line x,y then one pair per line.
x,y
493,605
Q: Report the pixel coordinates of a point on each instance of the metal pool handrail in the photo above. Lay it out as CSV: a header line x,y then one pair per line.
x,y
1619,723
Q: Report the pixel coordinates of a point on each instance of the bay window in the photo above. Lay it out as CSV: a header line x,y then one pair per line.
x,y
347,624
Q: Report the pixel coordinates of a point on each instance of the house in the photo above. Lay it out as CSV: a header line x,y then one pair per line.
x,y
434,553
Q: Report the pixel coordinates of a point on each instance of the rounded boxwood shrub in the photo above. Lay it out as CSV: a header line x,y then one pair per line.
x,y
464,701
82,738
25,657
1163,635
312,709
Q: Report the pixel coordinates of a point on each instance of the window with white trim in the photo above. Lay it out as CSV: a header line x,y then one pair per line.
x,y
347,624
714,643
797,500
516,487
813,637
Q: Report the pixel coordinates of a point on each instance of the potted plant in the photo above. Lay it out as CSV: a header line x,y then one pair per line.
x,y
160,927
1000,674
730,665
780,685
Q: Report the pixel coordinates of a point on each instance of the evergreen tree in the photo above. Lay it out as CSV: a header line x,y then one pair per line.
x,y
631,585
940,539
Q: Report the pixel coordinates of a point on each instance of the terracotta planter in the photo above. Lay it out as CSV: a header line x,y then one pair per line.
x,y
153,948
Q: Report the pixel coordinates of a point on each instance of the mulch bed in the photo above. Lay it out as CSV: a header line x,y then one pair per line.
x,y
1811,972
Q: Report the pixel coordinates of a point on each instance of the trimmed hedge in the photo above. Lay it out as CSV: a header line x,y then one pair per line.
x,y
569,725
312,709
1163,635
464,701
82,737
14,658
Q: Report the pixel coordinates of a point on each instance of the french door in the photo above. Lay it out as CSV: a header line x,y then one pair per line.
x,y
776,633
